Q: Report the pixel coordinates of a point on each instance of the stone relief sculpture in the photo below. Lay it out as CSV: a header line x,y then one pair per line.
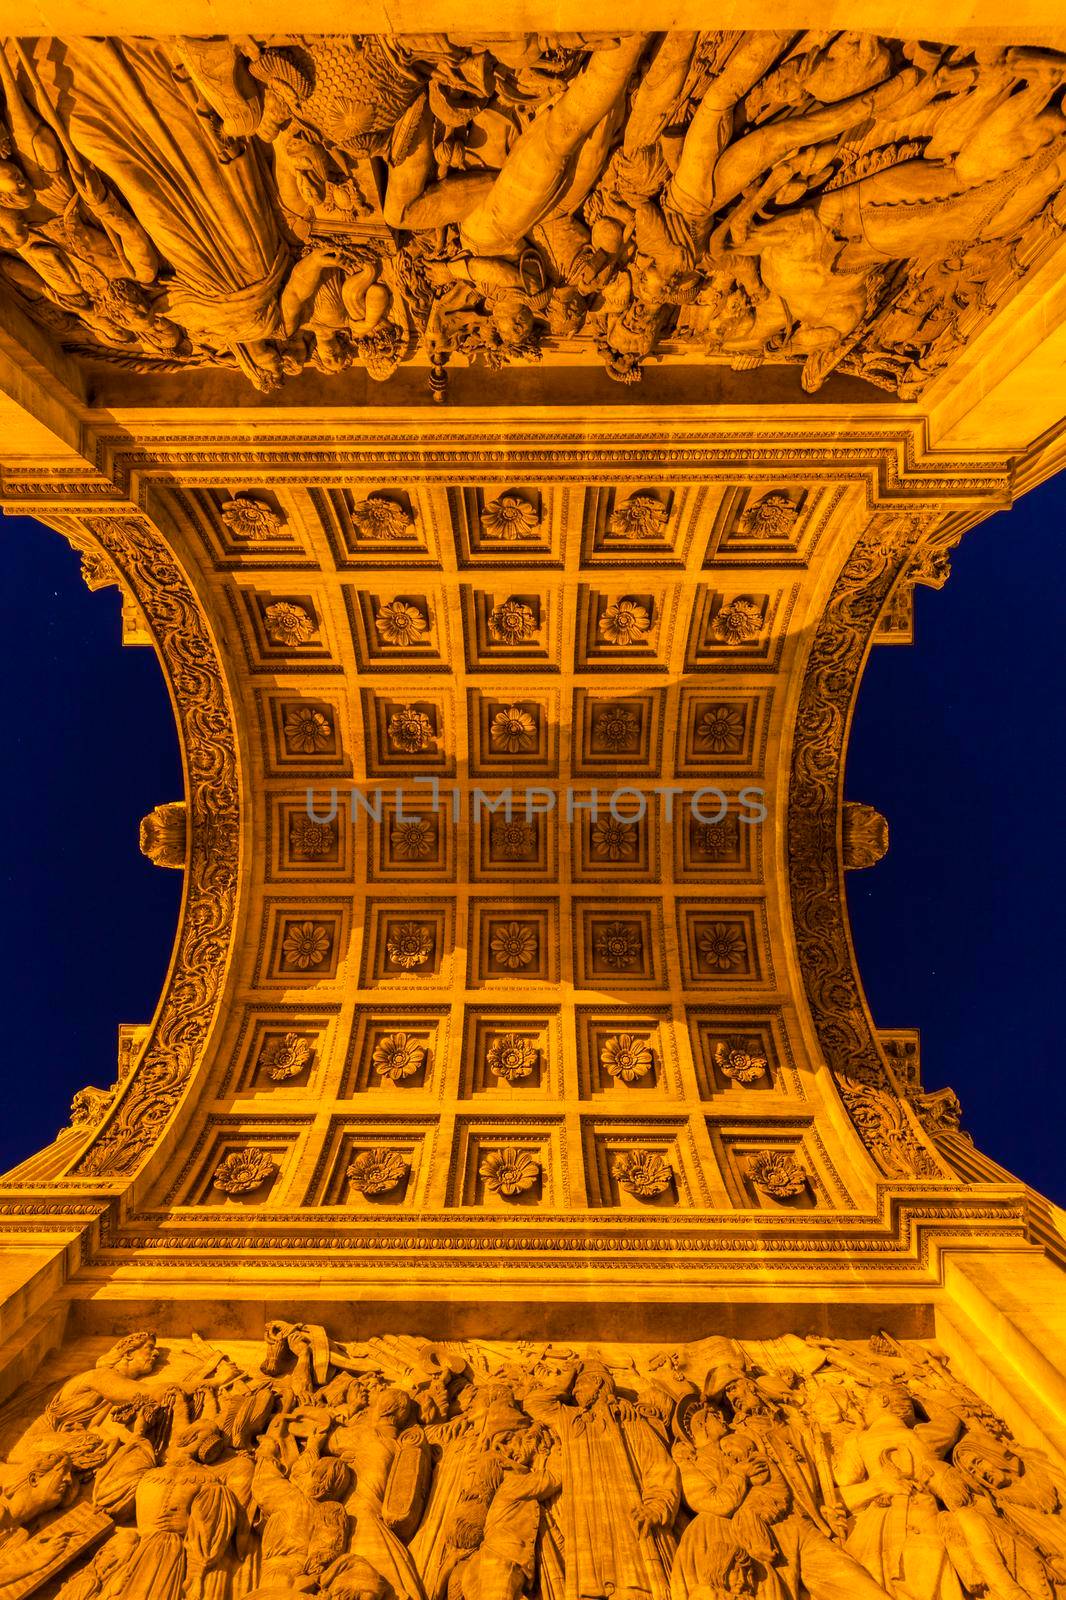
x,y
402,1469
839,201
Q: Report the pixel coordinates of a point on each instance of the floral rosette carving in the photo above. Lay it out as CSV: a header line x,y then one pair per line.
x,y
614,840
642,516
250,518
311,840
515,840
410,945
410,730
510,517
415,840
377,1171
618,945
720,729
509,1172
513,945
643,1173
242,1171
737,622
777,1173
716,840
626,1056
738,1064
772,517
512,622
511,1057
377,517
399,623
306,944
307,731
625,622
398,1055
514,731
722,946
289,624
285,1057
617,728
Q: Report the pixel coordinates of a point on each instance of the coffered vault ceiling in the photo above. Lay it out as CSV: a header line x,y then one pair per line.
x,y
833,202
416,1045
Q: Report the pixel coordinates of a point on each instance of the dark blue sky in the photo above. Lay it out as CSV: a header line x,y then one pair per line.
x,y
956,740
88,923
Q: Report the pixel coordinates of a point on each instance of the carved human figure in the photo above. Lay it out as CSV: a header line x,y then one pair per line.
x,y
486,1409
503,1565
118,1380
186,1517
888,1472
377,1564
305,1526
620,1486
742,1500
213,223
27,1491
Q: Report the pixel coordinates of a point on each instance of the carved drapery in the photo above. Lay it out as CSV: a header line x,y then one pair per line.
x,y
841,203
411,1469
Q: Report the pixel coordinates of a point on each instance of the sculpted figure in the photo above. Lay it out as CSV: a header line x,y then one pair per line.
x,y
503,1566
889,1472
743,1503
539,173
377,1564
794,1469
620,1486
461,1447
30,1491
119,1380
214,224
305,1526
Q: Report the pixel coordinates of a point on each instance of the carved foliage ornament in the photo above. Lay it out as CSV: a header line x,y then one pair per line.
x,y
738,1064
512,622
250,518
882,1118
377,1171
286,1057
626,1056
777,1173
150,1095
510,1057
398,1055
510,1172
643,1173
642,516
242,1171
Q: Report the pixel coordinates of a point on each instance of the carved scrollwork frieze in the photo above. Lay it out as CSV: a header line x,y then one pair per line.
x,y
142,1107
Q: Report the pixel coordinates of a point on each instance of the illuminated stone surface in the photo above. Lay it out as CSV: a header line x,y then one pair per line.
x,y
509,1126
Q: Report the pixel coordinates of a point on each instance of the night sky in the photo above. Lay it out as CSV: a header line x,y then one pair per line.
x,y
956,740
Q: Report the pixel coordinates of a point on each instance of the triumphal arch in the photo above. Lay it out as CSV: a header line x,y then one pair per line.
x,y
513,443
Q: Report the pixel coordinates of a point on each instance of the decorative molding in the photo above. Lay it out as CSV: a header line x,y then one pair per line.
x,y
147,1100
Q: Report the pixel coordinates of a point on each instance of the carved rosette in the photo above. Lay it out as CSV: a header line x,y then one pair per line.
x,y
377,1171
243,1171
643,1173
777,1173
510,1172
